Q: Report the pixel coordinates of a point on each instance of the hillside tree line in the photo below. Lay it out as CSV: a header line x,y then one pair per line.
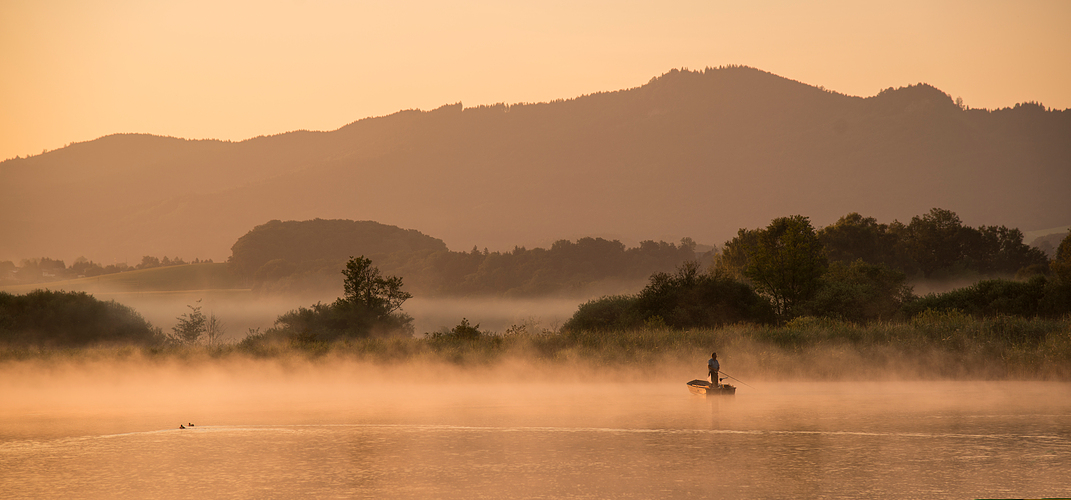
x,y
855,270
303,256
44,269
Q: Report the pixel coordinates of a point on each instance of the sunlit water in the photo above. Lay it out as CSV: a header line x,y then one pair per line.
x,y
547,440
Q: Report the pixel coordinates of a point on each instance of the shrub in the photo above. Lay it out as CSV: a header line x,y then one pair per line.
x,y
989,298
685,299
612,312
859,292
690,299
463,331
71,319
369,309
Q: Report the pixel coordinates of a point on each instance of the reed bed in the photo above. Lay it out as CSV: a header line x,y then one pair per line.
x,y
934,345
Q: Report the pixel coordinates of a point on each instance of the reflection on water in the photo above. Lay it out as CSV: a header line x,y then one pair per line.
x,y
469,440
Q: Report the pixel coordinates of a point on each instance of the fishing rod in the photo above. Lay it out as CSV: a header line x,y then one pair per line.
x,y
734,378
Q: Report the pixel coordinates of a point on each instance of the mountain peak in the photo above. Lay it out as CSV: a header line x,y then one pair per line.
x,y
920,94
691,153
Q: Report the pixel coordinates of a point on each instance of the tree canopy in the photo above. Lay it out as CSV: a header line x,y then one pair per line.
x,y
369,307
785,262
1061,265
323,240
47,318
366,288
687,298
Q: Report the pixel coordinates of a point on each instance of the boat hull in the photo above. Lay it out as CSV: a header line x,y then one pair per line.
x,y
703,388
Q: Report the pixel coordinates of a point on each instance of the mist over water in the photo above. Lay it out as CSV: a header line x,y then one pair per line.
x,y
329,428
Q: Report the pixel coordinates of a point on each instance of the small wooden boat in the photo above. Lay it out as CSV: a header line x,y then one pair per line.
x,y
703,388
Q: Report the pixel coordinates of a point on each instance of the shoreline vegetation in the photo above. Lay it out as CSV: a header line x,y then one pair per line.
x,y
785,301
932,346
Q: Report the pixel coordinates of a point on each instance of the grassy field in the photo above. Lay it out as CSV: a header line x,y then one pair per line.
x,y
208,276
937,346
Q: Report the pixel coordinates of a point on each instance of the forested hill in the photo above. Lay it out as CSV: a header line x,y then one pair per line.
x,y
696,154
328,241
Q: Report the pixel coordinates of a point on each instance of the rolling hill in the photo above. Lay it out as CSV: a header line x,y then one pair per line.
x,y
696,154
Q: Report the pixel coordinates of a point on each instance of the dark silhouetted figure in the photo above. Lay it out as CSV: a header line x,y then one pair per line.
x,y
712,367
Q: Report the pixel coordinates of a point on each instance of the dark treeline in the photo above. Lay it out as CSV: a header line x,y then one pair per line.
x,y
855,270
566,267
302,256
936,245
775,275
305,256
44,270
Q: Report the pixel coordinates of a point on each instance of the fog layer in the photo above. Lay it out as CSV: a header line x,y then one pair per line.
x,y
295,428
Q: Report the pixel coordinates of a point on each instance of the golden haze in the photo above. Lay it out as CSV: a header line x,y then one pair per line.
x,y
75,71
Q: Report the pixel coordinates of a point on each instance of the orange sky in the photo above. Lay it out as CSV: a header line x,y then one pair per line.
x,y
76,70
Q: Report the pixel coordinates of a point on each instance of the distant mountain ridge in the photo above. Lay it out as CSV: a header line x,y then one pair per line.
x,y
690,153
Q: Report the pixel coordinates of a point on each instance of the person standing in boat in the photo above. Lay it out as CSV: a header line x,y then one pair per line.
x,y
712,367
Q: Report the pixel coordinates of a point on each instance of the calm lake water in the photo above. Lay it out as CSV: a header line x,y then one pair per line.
x,y
118,438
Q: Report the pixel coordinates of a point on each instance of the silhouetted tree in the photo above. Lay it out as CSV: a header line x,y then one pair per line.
x,y
190,327
687,298
785,262
366,288
690,298
1061,265
368,307
993,250
734,257
859,292
936,241
855,237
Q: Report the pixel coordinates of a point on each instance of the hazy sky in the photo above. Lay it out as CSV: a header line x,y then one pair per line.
x,y
76,70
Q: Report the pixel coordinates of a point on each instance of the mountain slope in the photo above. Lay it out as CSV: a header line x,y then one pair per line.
x,y
695,154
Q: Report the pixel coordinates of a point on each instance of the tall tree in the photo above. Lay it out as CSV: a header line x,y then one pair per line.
x,y
786,262
368,307
365,287
733,258
190,326
855,237
936,241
